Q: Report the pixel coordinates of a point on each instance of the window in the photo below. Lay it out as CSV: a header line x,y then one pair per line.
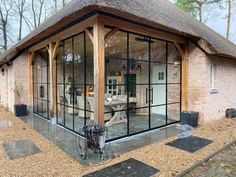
x,y
213,71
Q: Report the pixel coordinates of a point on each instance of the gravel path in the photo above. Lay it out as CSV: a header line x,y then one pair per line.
x,y
52,161
223,164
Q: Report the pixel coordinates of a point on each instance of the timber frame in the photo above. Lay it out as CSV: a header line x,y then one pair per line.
x,y
98,38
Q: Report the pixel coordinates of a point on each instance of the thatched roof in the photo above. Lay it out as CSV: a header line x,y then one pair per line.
x,y
158,13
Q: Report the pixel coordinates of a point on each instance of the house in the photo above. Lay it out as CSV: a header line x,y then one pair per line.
x,y
132,65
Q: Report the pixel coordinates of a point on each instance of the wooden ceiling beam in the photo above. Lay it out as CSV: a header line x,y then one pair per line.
x,y
110,34
126,25
90,34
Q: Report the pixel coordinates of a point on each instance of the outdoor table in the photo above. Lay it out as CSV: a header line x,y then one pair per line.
x,y
119,116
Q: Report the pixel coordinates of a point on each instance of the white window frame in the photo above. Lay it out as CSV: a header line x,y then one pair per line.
x,y
213,89
213,70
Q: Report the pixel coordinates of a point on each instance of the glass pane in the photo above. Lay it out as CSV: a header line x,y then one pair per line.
x,y
119,129
35,90
158,51
69,73
35,106
68,50
79,48
173,73
71,95
140,69
158,94
79,120
142,95
173,113
69,117
60,114
60,93
45,109
138,47
60,73
115,70
116,47
35,70
158,73
158,116
173,54
138,120
173,93
80,98
40,107
79,72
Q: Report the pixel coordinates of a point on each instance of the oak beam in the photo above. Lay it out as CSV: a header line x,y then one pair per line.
x,y
31,56
53,51
184,57
99,71
90,34
125,25
76,29
110,34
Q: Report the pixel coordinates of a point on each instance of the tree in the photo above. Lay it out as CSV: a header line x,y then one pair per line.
x,y
20,9
199,5
37,10
196,7
228,18
5,10
186,6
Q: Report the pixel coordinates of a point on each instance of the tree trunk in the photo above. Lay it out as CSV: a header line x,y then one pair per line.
x,y
228,19
63,3
4,30
20,26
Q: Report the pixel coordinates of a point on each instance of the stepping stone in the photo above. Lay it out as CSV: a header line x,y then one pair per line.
x,y
20,148
190,144
128,168
5,123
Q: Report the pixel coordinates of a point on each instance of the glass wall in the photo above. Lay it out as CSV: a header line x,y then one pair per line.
x,y
41,83
75,83
142,81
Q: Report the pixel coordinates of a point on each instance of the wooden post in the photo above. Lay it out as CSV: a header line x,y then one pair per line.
x,y
30,65
53,51
184,56
99,71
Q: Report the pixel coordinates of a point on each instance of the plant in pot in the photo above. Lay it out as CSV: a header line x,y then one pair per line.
x,y
190,117
19,109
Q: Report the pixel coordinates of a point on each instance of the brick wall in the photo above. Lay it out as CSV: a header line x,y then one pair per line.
x,y
17,72
210,106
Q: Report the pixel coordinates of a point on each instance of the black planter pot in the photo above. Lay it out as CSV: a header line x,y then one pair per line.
x,y
189,118
20,110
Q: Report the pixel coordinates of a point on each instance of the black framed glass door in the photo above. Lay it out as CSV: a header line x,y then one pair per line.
x,y
143,74
41,83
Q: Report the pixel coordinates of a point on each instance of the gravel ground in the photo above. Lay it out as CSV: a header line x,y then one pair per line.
x,y
52,161
223,164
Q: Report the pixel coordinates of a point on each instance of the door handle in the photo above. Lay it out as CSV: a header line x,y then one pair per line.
x,y
146,95
151,92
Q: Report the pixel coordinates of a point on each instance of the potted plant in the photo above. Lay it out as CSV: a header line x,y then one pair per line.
x,y
190,117
19,109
